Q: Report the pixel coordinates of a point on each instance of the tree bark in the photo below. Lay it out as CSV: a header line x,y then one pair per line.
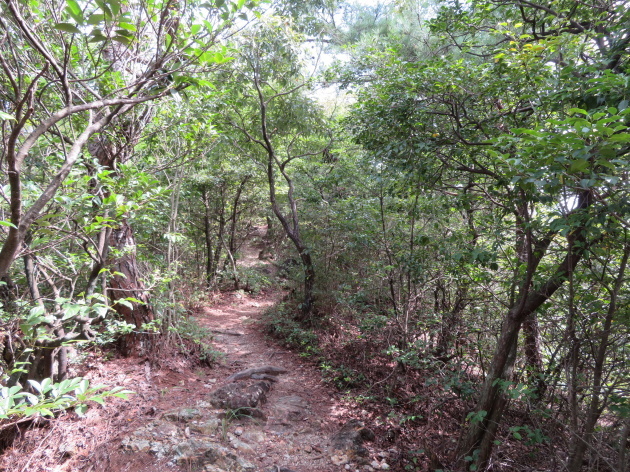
x,y
480,434
291,226
124,282
207,229
533,355
580,442
234,214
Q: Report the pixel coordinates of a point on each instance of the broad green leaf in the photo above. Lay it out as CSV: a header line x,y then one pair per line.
x,y
114,5
95,19
121,39
127,26
98,399
36,385
74,10
6,116
579,165
68,28
620,138
105,7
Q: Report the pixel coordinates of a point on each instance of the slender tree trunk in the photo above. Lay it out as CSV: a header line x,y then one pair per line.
x,y
580,442
291,222
450,321
533,354
207,229
234,215
480,433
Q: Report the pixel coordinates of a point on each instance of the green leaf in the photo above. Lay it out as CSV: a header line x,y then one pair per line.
x,y
620,138
114,5
71,311
46,412
124,303
73,6
127,26
68,28
205,83
97,37
98,400
105,7
7,223
74,10
578,165
125,33
95,19
573,111
36,385
122,39
6,116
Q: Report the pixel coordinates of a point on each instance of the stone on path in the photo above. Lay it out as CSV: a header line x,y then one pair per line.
x,y
241,399
347,444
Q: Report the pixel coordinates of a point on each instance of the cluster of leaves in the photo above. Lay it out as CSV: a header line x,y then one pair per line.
x,y
50,397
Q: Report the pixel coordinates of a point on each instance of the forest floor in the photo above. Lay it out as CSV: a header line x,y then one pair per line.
x,y
170,424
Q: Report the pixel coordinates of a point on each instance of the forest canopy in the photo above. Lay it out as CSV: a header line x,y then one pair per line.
x,y
443,184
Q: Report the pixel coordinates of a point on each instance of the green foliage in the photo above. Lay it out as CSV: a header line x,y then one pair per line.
x,y
255,280
281,325
343,377
194,339
49,397
533,436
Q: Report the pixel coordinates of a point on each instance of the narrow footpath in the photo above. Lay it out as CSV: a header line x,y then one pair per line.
x,y
259,408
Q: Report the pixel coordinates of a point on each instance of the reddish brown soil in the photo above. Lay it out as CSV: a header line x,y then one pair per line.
x,y
93,443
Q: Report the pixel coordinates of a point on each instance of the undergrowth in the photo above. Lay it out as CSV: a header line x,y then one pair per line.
x,y
280,324
193,341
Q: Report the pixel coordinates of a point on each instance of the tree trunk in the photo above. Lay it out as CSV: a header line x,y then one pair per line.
x,y
533,355
580,442
124,282
309,284
480,433
207,228
291,222
234,215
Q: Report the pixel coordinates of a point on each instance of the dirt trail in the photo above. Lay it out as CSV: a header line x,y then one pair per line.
x,y
300,413
300,410
170,423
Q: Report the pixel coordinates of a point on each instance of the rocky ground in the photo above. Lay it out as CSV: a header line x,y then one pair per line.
x,y
271,413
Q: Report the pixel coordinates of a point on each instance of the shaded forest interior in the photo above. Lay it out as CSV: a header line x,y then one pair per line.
x,y
442,186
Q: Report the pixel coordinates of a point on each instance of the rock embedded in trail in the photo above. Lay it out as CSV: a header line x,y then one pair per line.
x,y
267,371
290,408
347,443
182,414
241,399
